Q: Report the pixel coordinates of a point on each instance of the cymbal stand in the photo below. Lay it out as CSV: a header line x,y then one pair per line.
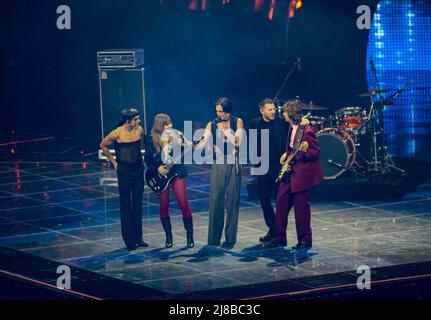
x,y
375,164
383,164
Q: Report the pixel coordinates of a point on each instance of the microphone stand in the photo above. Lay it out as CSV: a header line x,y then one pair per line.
x,y
345,168
294,66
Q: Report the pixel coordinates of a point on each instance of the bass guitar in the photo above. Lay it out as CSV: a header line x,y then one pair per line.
x,y
158,182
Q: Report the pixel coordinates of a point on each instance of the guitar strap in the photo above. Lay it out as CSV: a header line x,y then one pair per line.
x,y
298,138
296,145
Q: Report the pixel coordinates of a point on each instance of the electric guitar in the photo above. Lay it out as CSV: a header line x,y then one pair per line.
x,y
158,182
286,168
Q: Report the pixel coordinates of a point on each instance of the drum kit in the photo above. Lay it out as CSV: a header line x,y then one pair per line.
x,y
351,140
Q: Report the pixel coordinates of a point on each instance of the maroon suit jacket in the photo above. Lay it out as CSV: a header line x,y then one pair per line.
x,y
306,170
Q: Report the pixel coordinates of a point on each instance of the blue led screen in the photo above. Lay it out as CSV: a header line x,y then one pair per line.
x,y
399,45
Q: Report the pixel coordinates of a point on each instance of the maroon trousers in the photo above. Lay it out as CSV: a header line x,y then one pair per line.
x,y
284,202
180,191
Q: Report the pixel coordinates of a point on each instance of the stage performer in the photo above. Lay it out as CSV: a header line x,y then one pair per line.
x,y
266,184
162,136
295,185
127,140
226,132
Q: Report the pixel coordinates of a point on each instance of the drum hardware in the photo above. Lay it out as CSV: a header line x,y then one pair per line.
x,y
312,106
361,161
339,136
339,154
382,161
352,119
387,103
337,146
345,168
372,93
352,130
318,123
331,161
378,92
304,106
330,122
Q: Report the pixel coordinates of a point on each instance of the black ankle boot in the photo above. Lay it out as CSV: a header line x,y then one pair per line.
x,y
166,223
188,225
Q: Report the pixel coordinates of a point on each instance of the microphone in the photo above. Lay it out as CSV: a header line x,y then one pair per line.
x,y
398,92
298,63
330,161
217,120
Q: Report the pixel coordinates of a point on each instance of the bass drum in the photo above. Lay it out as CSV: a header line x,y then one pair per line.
x,y
337,152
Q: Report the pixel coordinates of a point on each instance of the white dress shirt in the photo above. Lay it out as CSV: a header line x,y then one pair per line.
x,y
292,136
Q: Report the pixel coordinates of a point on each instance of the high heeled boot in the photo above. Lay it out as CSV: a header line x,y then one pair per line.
x,y
166,223
188,225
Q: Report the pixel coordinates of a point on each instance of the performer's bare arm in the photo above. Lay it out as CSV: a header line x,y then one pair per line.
x,y
201,144
106,142
236,137
163,169
239,134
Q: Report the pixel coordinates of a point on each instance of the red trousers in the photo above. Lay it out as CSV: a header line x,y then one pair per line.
x,y
179,187
284,202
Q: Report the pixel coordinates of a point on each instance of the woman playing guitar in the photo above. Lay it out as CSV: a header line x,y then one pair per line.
x,y
156,146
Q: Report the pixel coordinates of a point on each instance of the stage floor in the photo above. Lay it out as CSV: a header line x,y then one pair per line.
x,y
69,212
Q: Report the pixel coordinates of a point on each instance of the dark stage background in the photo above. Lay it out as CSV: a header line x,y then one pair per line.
x,y
50,78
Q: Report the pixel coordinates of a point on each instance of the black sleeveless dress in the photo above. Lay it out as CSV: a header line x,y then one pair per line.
x,y
130,184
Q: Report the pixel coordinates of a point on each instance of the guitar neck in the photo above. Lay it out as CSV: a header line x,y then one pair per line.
x,y
291,156
182,154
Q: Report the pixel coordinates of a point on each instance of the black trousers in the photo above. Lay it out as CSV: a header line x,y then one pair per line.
x,y
266,189
130,185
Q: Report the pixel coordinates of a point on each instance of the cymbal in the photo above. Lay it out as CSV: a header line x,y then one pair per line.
x,y
402,89
372,93
385,102
306,106
294,100
283,101
312,106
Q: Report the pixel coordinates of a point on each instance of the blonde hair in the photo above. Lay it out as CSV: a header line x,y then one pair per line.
x,y
160,120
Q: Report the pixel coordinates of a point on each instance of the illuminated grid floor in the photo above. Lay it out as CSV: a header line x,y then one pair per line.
x,y
69,212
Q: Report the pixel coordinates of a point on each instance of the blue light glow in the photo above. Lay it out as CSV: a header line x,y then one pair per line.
x,y
399,43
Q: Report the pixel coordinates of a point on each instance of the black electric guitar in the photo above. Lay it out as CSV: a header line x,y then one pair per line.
x,y
286,168
158,182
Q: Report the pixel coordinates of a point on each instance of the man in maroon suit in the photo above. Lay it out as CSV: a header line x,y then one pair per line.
x,y
304,174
